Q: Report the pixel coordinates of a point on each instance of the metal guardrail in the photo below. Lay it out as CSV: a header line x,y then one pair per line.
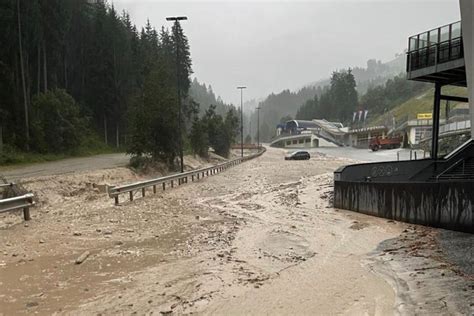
x,y
455,126
23,202
181,178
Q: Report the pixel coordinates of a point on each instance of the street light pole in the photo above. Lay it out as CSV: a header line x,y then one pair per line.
x,y
241,121
258,127
176,19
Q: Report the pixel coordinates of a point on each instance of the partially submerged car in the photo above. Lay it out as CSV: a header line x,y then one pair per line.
x,y
298,155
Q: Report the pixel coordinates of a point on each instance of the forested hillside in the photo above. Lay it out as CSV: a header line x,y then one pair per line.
x,y
205,96
333,104
76,73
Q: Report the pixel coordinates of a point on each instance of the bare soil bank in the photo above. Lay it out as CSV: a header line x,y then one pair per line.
x,y
260,238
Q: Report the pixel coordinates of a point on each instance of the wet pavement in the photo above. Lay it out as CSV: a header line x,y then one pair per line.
x,y
367,154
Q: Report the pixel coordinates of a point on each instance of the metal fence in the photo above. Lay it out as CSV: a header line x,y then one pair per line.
x,y
455,126
23,202
180,178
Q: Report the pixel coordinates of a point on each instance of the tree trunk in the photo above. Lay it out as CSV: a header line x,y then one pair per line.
x,y
45,68
1,138
105,130
83,75
117,135
65,71
27,77
38,83
25,100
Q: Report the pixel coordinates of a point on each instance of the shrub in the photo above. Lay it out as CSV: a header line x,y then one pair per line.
x,y
57,124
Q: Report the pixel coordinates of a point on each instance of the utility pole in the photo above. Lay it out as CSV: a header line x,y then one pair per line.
x,y
241,88
258,126
176,20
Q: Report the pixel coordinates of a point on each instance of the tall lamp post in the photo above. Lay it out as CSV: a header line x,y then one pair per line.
x,y
258,126
241,121
176,19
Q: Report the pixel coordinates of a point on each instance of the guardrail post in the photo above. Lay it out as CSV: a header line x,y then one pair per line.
x,y
182,178
26,213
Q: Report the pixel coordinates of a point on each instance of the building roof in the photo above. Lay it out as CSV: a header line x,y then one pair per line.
x,y
302,124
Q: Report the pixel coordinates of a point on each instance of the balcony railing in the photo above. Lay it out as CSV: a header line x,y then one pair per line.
x,y
436,46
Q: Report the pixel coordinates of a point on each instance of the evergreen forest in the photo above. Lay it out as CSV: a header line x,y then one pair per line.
x,y
77,75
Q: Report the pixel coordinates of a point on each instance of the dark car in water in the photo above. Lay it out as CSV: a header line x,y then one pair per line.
x,y
298,155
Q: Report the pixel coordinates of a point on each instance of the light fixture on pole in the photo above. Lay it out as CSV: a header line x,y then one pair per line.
x,y
258,126
176,19
241,88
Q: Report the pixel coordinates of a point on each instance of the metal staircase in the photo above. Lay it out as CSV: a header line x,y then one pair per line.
x,y
329,131
461,170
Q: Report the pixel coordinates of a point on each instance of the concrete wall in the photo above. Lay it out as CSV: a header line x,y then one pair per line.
x,y
381,171
444,204
467,24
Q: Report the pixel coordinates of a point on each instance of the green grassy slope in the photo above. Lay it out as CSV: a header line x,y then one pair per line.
x,y
419,104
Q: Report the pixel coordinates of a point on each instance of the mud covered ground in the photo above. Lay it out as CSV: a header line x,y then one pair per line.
x,y
260,238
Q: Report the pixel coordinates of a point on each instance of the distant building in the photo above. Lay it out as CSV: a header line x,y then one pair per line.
x,y
314,133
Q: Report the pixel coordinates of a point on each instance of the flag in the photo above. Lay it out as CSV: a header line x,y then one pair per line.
x,y
365,114
354,117
360,115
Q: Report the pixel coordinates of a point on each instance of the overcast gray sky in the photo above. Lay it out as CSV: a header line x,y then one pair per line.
x,y
274,45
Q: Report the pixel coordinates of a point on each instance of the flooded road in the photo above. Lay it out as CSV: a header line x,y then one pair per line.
x,y
260,238
368,155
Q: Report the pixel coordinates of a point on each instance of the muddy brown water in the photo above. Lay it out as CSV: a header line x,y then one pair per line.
x,y
260,238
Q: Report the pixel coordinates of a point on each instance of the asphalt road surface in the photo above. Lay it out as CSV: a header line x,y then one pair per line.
x,y
70,165
369,155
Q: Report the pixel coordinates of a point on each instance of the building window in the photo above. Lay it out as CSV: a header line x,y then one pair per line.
x,y
301,141
295,142
307,140
288,142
